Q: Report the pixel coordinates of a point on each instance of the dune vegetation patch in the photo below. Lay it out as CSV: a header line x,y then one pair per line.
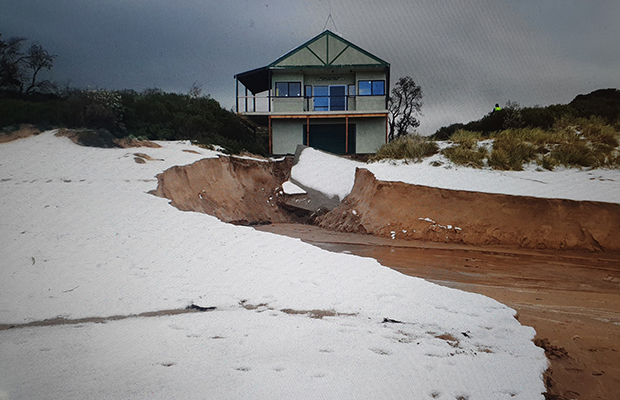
x,y
10,133
409,147
466,150
104,139
580,143
570,143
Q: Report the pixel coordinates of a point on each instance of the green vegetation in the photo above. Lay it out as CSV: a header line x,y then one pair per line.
x,y
104,115
411,147
589,143
510,152
569,142
466,150
151,114
603,104
583,133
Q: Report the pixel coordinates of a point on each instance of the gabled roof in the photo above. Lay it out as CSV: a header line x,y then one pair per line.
x,y
327,50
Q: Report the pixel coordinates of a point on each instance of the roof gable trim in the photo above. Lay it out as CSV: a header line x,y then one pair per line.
x,y
316,55
339,54
327,35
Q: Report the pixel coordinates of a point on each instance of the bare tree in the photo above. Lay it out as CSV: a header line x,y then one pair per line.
x,y
38,59
405,104
11,59
19,71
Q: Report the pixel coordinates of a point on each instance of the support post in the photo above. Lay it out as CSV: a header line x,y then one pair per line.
x,y
270,137
308,131
237,95
246,99
386,127
269,92
346,134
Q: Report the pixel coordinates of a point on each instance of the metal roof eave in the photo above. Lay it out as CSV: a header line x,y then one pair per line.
x,y
256,80
343,66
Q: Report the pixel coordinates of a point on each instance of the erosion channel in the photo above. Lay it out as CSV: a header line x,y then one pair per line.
x,y
557,262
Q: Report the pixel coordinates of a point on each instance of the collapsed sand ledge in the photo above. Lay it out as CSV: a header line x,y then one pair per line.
x,y
236,190
395,209
248,192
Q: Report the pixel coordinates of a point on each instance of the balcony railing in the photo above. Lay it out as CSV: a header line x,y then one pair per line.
x,y
266,103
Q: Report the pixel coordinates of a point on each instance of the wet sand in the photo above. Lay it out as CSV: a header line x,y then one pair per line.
x,y
572,299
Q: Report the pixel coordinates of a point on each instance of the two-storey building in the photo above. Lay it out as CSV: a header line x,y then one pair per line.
x,y
327,93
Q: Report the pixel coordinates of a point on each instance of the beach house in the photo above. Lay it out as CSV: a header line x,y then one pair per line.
x,y
327,93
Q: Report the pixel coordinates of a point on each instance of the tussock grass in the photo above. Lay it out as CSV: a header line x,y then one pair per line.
x,y
410,147
466,150
596,131
510,153
571,142
537,136
466,139
461,155
574,154
582,143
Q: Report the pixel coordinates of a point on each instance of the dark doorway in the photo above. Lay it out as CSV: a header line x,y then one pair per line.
x,y
330,137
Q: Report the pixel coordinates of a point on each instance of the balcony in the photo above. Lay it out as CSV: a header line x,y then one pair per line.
x,y
329,103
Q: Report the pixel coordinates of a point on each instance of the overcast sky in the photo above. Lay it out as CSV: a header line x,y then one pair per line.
x,y
466,55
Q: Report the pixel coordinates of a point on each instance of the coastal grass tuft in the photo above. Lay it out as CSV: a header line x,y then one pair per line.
x,y
466,150
466,139
510,152
410,147
572,143
461,155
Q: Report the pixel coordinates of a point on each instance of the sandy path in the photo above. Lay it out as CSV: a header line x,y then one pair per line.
x,y
572,299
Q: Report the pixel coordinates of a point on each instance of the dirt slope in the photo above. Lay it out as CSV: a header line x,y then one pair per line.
x,y
236,190
413,212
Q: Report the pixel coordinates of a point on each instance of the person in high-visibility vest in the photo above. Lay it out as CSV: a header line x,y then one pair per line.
x,y
497,108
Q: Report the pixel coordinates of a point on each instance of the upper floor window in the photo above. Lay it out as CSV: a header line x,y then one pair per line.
x,y
288,89
372,88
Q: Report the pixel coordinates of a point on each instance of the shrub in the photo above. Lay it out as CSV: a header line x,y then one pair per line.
x,y
446,132
152,113
596,130
510,153
538,117
90,137
461,155
548,162
466,139
604,103
16,111
410,147
575,154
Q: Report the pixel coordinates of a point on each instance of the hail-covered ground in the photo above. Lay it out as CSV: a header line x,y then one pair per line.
x,y
81,238
437,171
